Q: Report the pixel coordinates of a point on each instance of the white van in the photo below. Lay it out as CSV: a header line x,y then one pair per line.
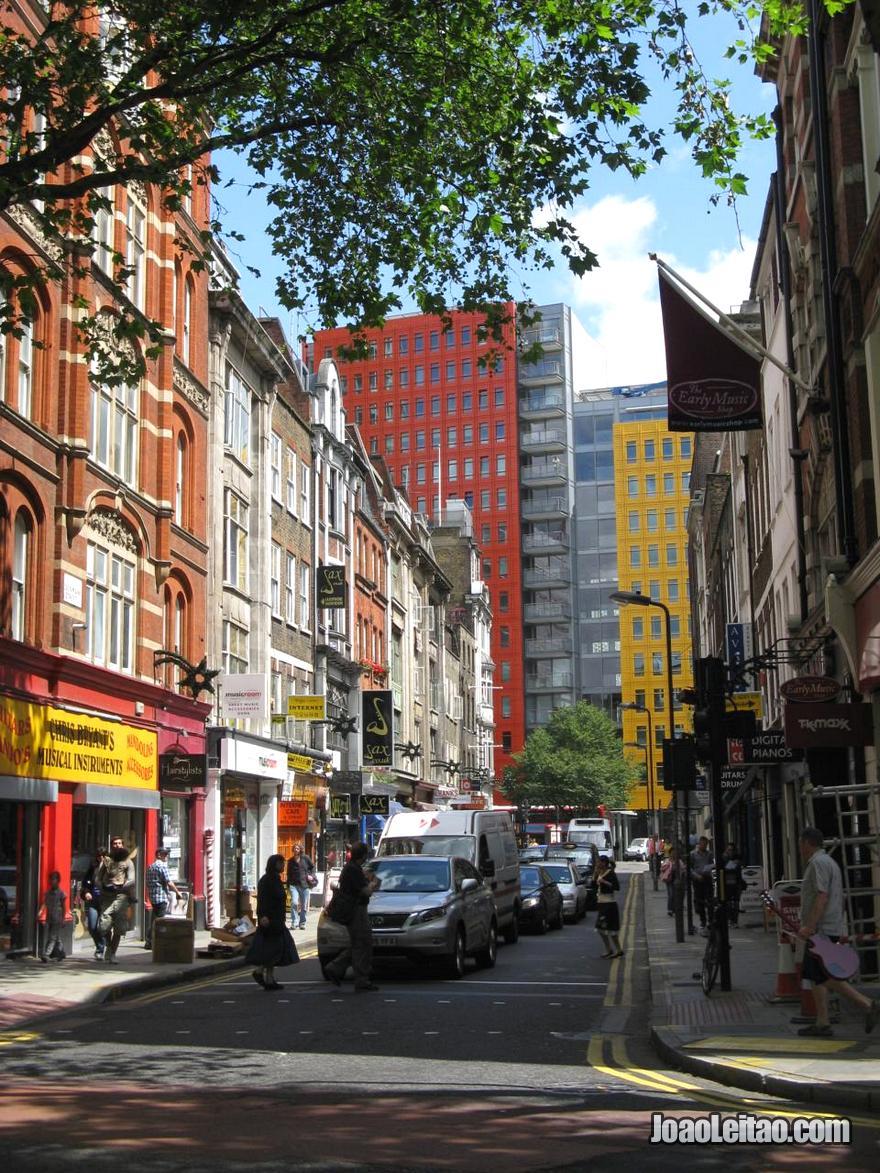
x,y
597,831
484,838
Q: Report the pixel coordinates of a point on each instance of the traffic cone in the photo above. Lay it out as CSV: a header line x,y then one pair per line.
x,y
787,975
808,1002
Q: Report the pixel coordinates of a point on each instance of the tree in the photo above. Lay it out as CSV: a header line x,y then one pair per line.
x,y
411,147
575,760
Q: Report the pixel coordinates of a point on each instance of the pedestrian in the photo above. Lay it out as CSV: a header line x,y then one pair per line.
x,y
671,871
90,900
822,913
301,879
352,897
607,912
272,945
702,863
51,915
158,884
116,879
733,882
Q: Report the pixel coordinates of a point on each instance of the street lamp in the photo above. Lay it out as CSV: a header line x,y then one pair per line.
x,y
637,599
649,758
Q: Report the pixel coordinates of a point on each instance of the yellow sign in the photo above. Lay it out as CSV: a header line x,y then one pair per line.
x,y
299,761
746,702
307,708
39,741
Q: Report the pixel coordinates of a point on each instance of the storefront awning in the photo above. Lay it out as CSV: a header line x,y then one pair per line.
x,y
93,794
14,789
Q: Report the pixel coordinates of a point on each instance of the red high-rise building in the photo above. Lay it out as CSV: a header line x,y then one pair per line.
x,y
440,405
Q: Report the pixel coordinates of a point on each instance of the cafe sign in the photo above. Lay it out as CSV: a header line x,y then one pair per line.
x,y
40,741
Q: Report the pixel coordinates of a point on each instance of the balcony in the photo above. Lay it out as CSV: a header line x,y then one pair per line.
x,y
548,370
543,507
541,406
546,440
547,336
544,473
559,645
559,576
558,682
546,612
555,542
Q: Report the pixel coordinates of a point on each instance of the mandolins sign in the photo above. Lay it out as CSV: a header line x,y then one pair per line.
x,y
820,726
804,689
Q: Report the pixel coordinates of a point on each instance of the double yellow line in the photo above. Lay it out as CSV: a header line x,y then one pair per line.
x,y
620,982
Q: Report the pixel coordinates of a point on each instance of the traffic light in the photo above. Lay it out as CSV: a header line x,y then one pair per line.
x,y
679,763
709,732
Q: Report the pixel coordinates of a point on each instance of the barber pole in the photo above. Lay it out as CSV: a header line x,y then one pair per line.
x,y
208,839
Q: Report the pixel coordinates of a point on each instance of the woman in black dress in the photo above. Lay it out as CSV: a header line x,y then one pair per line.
x,y
272,944
607,912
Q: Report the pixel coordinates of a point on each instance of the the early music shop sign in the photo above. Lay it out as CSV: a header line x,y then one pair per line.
x,y
331,586
377,736
39,741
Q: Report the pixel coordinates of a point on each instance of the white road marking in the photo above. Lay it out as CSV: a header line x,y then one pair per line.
x,y
241,1032
432,1032
181,1032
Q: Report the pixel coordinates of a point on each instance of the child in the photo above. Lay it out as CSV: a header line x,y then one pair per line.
x,y
52,912
607,912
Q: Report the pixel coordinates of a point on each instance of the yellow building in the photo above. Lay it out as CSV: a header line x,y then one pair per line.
x,y
652,473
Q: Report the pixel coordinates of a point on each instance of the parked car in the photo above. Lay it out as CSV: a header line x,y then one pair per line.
x,y
636,849
533,854
541,899
427,908
585,857
571,886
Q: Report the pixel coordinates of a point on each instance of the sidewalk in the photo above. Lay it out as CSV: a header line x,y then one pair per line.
x,y
30,990
744,1038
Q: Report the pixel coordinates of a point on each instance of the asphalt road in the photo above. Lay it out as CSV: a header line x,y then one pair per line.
x,y
539,1064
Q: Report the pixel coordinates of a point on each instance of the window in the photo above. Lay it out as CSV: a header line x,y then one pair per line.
x,y
237,415
358,382
503,568
674,626
420,376
372,349
435,378
672,554
487,569
668,482
404,409
639,664
419,343
20,564
404,441
467,402
26,367
651,485
180,465
501,498
669,518
420,408
465,335
452,437
103,230
403,344
374,380
305,493
659,700
499,430
685,482
667,448
673,590
684,446
501,463
656,629
638,627
115,429
110,607
291,481
236,540
467,434
420,441
187,320
388,380
469,468
453,470
499,396
435,405
484,400
136,245
485,533
631,452
504,640
403,377
290,588
420,474
653,555
450,404
235,648
389,445
656,663
304,581
374,413
650,454
275,580
632,486
275,464
435,439
485,498
434,340
484,466
635,556
634,522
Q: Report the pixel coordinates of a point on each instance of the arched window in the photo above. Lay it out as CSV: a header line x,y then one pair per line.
x,y
115,428
136,244
111,595
180,480
104,229
26,368
20,563
187,320
180,642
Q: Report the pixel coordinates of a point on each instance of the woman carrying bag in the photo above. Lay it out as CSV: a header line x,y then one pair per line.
x,y
607,912
272,945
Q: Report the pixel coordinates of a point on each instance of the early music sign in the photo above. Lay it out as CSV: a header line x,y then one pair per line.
x,y
331,586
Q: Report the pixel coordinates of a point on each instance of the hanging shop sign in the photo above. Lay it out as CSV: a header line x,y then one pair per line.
x,y
739,651
307,708
299,761
244,696
374,804
377,728
817,726
346,782
182,769
806,689
40,741
340,806
251,757
331,586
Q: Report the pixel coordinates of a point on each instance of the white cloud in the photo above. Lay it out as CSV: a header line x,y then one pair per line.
x,y
618,302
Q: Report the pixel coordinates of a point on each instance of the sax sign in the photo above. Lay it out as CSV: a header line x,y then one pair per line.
x,y
377,728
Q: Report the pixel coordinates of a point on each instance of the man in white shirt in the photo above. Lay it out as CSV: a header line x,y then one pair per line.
x,y
822,913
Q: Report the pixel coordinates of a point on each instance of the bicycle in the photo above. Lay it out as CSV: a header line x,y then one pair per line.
x,y
708,974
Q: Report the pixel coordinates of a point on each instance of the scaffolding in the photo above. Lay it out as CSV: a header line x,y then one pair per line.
x,y
856,849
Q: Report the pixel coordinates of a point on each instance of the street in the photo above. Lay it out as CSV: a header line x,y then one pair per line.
x,y
541,1063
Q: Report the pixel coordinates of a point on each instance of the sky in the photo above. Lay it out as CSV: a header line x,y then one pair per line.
x,y
668,211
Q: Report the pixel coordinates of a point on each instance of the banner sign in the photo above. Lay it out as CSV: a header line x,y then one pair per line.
x,y
40,741
182,769
374,804
377,728
817,726
299,761
331,586
739,650
340,806
244,696
293,814
714,385
307,708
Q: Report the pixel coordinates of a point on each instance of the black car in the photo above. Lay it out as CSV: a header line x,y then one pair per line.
x,y
585,857
541,899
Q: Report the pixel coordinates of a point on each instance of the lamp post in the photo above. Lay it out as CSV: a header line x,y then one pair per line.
x,y
637,599
635,707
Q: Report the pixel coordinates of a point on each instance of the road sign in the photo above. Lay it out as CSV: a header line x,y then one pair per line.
x,y
746,702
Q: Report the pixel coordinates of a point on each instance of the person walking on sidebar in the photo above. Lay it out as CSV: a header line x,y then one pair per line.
x,y
702,863
607,912
822,912
356,889
90,901
53,909
158,883
300,880
116,878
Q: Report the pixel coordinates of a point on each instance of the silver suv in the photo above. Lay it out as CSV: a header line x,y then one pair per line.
x,y
430,907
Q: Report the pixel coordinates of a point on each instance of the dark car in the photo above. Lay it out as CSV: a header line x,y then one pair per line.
x,y
541,899
585,857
